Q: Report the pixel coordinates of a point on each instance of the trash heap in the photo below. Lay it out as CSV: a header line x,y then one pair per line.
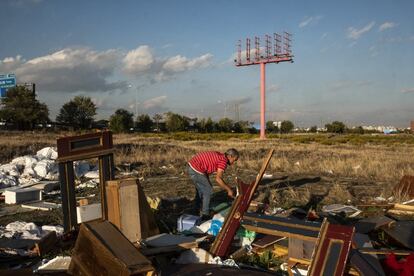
x,y
244,236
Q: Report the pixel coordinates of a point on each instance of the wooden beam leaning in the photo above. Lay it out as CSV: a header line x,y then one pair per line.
x,y
72,148
278,226
223,240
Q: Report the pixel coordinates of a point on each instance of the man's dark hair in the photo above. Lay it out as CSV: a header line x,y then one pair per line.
x,y
232,152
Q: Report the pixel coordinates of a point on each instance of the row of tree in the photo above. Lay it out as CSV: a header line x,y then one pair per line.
x,y
21,109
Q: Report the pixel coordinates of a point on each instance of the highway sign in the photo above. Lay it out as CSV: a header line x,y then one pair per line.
x,y
6,81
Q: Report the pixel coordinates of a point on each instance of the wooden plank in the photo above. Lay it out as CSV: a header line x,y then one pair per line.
x,y
266,241
147,251
403,207
113,205
225,237
290,222
101,249
331,251
278,226
385,251
401,215
128,209
300,249
73,148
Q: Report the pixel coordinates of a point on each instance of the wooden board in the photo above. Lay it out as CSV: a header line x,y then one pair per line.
x,y
101,249
300,249
85,146
279,226
331,251
266,241
128,209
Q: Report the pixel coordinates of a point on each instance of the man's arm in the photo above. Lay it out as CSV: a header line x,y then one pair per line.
x,y
222,184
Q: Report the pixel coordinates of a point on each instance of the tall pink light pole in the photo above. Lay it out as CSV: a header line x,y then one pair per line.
x,y
281,53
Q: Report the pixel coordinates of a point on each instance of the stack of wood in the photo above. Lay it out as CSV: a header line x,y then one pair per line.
x,y
402,211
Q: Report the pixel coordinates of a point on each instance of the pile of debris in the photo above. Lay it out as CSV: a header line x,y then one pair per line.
x,y
121,235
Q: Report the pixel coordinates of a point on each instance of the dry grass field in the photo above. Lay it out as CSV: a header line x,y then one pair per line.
x,y
306,170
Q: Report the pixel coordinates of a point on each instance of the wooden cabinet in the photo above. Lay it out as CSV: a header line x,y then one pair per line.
x,y
129,210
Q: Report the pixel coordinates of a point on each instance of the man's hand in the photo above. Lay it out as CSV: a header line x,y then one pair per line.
x,y
230,193
222,184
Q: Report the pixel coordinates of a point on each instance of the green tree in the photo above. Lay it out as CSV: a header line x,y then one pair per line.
x,y
271,127
21,108
286,126
176,122
241,127
78,112
313,129
225,125
209,125
336,127
121,121
144,123
157,118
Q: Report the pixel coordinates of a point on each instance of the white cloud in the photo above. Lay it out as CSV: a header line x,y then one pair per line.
x,y
408,90
308,20
10,64
387,25
138,60
142,62
154,102
354,33
67,70
85,70
179,63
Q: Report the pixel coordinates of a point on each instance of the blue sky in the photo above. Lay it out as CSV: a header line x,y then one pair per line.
x,y
353,60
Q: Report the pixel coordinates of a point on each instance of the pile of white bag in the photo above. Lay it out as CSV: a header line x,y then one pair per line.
x,y
27,230
31,169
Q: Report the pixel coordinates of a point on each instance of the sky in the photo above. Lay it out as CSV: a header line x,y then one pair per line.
x,y
353,60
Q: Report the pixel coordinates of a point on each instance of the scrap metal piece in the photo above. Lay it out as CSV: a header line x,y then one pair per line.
x,y
331,250
223,240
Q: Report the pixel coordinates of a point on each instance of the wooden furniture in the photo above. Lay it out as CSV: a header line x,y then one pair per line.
x,y
73,148
129,210
101,249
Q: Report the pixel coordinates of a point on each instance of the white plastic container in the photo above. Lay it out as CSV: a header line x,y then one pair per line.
x,y
185,222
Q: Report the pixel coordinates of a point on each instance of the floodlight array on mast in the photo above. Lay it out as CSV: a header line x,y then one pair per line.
x,y
277,50
282,52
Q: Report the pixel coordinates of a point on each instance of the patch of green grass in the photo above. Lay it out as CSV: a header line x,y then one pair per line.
x,y
266,260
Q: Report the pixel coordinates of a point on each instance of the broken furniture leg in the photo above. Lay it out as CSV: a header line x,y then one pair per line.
x,y
223,240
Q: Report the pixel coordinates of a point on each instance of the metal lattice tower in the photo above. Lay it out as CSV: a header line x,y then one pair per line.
x,y
282,52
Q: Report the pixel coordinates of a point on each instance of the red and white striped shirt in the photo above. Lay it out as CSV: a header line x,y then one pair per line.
x,y
208,162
